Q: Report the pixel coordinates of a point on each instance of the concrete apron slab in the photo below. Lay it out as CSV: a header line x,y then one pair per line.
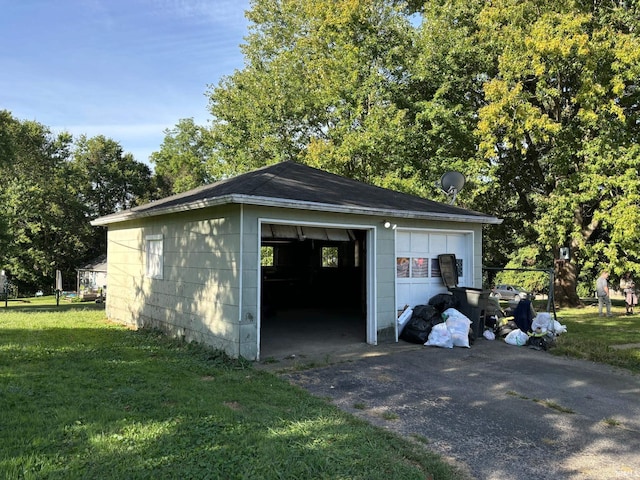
x,y
499,411
313,354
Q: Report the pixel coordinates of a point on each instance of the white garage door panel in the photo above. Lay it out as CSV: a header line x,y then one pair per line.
x,y
403,241
437,243
417,271
458,244
419,242
416,294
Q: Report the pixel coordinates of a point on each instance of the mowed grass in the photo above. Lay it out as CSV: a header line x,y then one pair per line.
x,y
611,340
82,398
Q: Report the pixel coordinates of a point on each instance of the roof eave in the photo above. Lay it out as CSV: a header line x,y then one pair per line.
x,y
293,204
134,214
327,207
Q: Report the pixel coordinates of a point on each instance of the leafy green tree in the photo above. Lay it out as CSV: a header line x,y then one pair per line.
x,y
560,128
448,74
44,223
324,84
535,101
183,161
111,179
356,88
7,124
108,180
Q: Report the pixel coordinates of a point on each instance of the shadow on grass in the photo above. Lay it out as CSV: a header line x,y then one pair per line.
x,y
28,306
595,338
113,403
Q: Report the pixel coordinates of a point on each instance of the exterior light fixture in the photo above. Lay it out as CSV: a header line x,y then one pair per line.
x,y
388,224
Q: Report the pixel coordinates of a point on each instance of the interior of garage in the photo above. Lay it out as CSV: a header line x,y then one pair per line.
x,y
313,289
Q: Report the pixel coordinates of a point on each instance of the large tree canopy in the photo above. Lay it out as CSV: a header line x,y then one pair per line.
x,y
108,180
50,189
111,179
535,101
559,128
42,223
325,84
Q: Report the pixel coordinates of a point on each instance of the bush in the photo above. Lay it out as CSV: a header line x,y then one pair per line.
x,y
584,290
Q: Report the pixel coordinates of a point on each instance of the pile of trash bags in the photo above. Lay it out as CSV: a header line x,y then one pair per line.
x,y
437,324
522,326
440,324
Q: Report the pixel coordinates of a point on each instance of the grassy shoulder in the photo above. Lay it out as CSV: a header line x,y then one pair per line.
x,y
610,340
84,398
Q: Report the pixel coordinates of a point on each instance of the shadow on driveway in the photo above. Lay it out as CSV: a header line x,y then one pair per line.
x,y
496,410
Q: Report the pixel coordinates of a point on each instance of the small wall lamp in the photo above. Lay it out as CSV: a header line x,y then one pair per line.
x,y
388,224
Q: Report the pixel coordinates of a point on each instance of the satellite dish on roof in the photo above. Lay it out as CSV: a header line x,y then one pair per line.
x,y
451,183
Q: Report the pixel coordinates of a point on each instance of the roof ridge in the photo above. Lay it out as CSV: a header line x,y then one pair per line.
x,y
270,175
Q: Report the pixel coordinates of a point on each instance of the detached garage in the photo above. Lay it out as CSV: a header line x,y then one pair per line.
x,y
244,263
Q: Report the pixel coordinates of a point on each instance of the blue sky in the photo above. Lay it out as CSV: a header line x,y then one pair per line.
x,y
126,69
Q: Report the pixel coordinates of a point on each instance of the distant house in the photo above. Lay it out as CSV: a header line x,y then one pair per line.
x,y
92,279
217,263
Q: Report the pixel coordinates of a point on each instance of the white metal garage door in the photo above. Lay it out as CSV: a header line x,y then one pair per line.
x,y
417,269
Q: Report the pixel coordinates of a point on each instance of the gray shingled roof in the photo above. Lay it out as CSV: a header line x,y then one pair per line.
x,y
98,265
293,185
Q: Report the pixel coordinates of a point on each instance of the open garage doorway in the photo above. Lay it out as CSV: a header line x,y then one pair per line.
x,y
313,289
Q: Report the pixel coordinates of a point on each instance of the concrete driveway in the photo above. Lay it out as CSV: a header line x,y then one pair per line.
x,y
498,411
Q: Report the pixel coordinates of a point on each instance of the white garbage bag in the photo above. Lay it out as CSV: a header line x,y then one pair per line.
x,y
516,337
458,325
489,335
440,336
542,323
558,328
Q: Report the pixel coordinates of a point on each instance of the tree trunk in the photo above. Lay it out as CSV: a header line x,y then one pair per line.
x,y
564,287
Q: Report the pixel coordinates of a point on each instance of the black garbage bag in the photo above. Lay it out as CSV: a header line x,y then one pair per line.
x,y
417,330
427,312
538,342
422,320
442,301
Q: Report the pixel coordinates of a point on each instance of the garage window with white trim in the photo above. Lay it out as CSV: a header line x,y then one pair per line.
x,y
154,256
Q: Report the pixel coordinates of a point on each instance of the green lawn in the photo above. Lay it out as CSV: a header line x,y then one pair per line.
x,y
83,398
611,340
